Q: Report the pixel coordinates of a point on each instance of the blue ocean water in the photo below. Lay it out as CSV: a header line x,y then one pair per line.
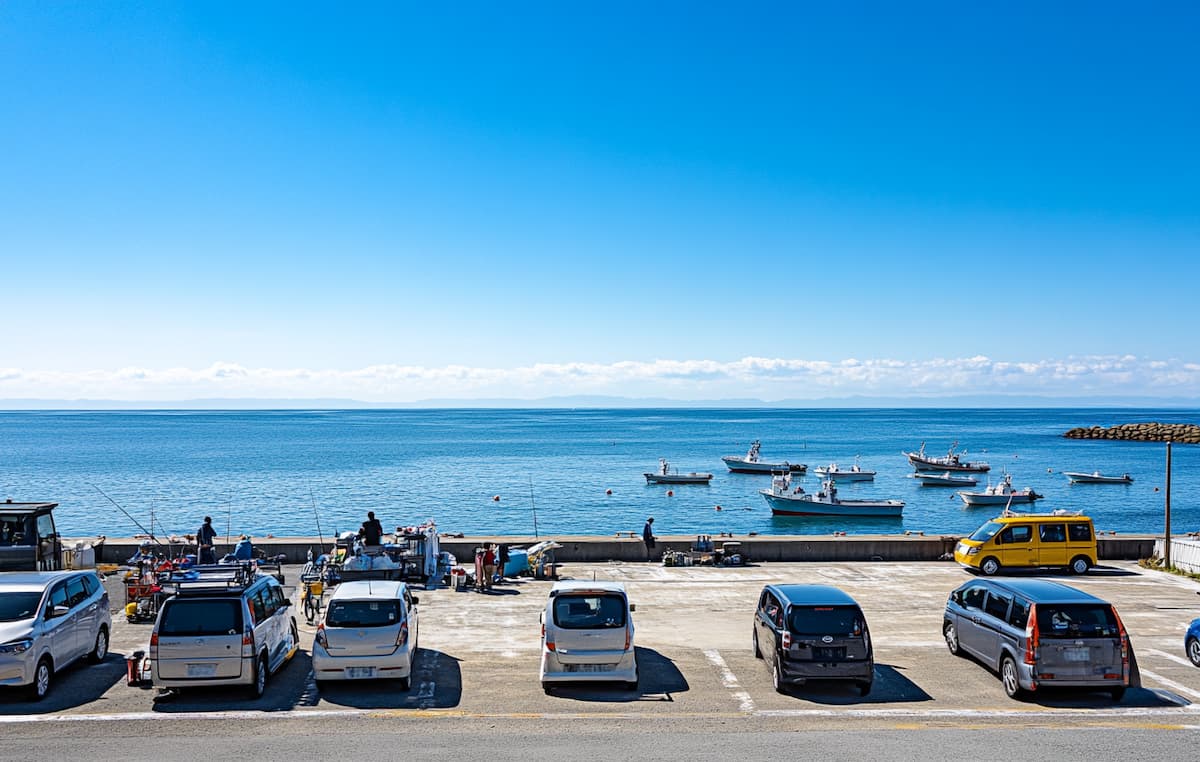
x,y
278,471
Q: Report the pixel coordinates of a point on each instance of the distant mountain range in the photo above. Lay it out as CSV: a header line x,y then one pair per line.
x,y
595,401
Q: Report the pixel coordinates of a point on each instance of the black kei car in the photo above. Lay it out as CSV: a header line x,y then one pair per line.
x,y
813,632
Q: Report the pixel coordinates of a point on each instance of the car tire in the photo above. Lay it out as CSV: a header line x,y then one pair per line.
x,y
546,688
950,633
1080,565
757,650
864,689
295,638
990,566
259,686
1009,679
43,678
1193,650
404,683
777,681
100,647
1117,694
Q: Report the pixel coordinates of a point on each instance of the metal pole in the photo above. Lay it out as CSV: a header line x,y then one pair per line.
x,y
1167,541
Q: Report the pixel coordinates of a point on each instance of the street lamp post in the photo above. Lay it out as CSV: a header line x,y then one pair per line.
x,y
1167,541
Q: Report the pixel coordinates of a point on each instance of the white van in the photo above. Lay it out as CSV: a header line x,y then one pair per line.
x,y
587,634
369,631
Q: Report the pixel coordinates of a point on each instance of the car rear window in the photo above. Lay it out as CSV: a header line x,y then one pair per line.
x,y
17,606
362,613
986,532
825,620
199,616
1076,620
589,611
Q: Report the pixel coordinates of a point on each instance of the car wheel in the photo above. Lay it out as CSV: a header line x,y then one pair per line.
x,y
100,649
546,688
777,678
259,686
950,633
990,566
295,638
864,689
757,650
1080,565
1193,651
1117,693
42,677
1008,676
404,683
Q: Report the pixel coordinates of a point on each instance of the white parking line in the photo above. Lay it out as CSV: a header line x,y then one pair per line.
x,y
1170,684
730,681
1171,657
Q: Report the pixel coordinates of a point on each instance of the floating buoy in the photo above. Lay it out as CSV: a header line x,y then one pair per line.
x,y
1049,470
670,493
717,508
608,491
496,498
1156,489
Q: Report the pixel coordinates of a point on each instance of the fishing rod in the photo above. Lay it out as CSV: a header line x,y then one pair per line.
x,y
533,506
127,514
317,516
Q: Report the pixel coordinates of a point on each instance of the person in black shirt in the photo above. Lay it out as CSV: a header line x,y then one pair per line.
x,y
371,531
206,536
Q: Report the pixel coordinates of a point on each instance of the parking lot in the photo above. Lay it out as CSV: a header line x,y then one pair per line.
x,y
479,653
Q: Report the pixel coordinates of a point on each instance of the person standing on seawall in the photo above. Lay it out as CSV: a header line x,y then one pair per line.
x,y
648,538
205,537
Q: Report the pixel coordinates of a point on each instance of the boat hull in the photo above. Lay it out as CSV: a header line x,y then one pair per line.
x,y
921,464
743,466
844,477
808,505
1094,479
930,480
973,499
678,478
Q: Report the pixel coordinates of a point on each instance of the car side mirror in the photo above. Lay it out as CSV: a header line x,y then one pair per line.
x,y
287,602
415,600
632,607
542,617
999,540
58,611
956,596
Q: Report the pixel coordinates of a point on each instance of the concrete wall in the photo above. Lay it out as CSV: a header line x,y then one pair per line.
x,y
757,549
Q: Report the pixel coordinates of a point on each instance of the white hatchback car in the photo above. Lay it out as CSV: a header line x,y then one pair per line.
x,y
587,634
369,632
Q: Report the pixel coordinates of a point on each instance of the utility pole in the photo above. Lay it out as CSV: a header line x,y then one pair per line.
x,y
1167,541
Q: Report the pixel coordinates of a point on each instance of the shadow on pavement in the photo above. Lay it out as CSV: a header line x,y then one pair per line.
x,y
80,683
436,684
658,679
286,689
890,686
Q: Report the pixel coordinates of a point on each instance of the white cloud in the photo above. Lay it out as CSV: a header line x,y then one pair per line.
x,y
762,377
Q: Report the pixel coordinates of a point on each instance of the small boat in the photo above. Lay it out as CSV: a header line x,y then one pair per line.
x,y
1000,494
785,501
853,474
1096,477
951,461
666,476
752,463
945,479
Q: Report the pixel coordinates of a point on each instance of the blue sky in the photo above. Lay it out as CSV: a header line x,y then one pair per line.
x,y
395,202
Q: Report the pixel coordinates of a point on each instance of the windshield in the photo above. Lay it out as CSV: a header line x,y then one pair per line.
x,y
15,607
200,616
589,611
363,613
1076,620
825,620
986,532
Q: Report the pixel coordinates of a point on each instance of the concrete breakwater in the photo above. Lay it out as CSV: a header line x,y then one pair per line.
x,y
760,548
1184,433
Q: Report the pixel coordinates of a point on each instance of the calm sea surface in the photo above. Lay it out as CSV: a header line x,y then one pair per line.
x,y
277,471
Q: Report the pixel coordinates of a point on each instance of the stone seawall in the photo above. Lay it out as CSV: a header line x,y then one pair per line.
x,y
1183,433
758,549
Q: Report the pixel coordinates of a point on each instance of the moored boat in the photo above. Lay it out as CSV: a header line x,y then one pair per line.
x,y
1000,494
752,462
951,461
785,501
944,479
666,476
1097,478
855,473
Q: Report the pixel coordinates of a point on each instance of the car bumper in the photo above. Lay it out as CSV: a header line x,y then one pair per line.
x,y
1030,682
598,667
16,671
800,671
245,677
395,665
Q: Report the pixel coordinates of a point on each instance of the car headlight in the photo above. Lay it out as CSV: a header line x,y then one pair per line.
x,y
973,551
16,646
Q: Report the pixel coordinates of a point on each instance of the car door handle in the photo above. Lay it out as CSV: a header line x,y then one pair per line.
x,y
975,619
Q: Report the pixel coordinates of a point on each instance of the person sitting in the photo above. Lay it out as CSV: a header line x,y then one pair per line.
x,y
244,550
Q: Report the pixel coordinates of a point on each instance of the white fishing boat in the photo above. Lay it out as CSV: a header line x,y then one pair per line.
x,y
855,473
666,476
944,479
951,461
1096,477
752,463
785,501
1000,494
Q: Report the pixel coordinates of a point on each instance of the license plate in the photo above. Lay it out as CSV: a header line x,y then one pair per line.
x,y
589,667
829,654
1076,654
360,673
201,670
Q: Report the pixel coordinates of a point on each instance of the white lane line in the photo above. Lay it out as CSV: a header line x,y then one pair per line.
x,y
1178,688
730,681
1045,714
1171,657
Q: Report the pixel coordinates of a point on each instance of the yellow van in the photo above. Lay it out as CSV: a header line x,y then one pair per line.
x,y
1025,540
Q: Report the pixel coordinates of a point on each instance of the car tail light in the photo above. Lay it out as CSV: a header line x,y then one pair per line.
x,y
248,643
153,646
1031,636
786,639
402,636
549,641
1124,646
628,637
320,636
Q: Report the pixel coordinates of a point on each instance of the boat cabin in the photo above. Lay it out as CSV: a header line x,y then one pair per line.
x,y
28,539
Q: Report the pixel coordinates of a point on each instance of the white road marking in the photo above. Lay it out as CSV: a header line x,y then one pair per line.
x,y
1172,657
730,681
1171,684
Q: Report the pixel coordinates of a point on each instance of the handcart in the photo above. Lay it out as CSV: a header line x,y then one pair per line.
x,y
143,593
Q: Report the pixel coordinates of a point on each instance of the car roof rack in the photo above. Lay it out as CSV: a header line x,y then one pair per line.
x,y
211,578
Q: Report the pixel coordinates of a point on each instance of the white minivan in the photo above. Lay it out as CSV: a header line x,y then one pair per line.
x,y
587,634
369,632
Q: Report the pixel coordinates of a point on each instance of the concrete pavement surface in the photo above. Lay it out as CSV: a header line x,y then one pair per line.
x,y
476,672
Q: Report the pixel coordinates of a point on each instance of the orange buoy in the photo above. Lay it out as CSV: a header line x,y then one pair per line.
x,y
670,493
496,498
608,491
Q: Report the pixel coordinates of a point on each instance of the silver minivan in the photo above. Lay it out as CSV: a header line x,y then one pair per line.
x,y
224,625
369,631
1039,634
47,621
587,634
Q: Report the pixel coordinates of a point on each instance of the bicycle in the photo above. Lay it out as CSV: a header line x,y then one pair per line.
x,y
312,594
